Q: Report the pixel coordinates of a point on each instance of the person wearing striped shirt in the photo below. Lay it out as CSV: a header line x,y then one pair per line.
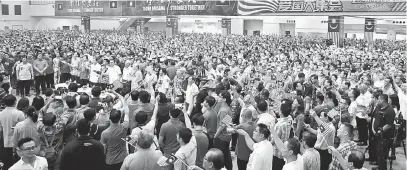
x,y
325,136
283,128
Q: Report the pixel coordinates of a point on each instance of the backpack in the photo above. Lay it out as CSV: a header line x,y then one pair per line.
x,y
49,151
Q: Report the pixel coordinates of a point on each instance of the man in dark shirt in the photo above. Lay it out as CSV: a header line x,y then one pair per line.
x,y
84,152
383,121
94,102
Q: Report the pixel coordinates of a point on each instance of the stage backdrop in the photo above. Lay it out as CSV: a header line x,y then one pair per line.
x,y
268,7
180,7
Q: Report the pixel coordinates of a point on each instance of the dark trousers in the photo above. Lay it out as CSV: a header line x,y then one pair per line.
x,y
6,86
210,140
224,147
40,81
65,77
24,87
372,145
278,163
326,159
241,164
383,147
50,80
362,129
114,166
234,140
7,158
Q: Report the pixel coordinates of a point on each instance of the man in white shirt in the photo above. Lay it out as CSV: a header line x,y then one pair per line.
x,y
188,150
114,72
192,90
262,155
95,71
363,102
25,74
26,148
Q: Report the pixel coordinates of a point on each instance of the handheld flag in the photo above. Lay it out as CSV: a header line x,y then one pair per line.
x,y
130,140
227,120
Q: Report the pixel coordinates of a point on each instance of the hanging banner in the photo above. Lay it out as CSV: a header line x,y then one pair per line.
x,y
269,7
181,7
88,8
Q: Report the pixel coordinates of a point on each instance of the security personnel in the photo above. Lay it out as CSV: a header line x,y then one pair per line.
x,y
383,127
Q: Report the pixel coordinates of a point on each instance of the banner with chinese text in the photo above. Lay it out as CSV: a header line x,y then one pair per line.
x,y
181,7
88,8
268,7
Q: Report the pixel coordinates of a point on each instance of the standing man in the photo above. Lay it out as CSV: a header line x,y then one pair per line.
x,y
84,152
383,127
49,72
26,148
25,74
345,135
211,120
40,66
95,71
9,117
242,150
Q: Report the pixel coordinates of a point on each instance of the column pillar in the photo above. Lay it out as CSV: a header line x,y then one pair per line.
x,y
391,34
226,26
237,26
172,26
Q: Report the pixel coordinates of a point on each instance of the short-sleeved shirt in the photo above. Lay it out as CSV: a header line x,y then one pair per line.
x,y
311,159
384,115
283,128
242,150
344,149
223,111
40,163
9,117
211,122
169,132
145,159
202,143
116,147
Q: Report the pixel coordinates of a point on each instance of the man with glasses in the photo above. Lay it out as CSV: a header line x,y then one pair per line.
x,y
26,149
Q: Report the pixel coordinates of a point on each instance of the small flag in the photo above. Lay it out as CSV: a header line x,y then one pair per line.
x,y
162,161
227,120
130,140
324,130
113,4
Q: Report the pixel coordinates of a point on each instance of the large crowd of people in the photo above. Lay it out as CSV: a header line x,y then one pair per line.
x,y
108,100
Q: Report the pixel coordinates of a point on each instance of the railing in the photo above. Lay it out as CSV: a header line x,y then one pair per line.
x,y
42,2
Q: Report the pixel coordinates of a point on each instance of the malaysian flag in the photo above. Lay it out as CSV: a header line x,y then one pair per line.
x,y
130,140
369,29
334,24
400,6
256,7
227,120
164,161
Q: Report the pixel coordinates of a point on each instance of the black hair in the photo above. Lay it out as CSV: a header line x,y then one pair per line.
x,y
31,112
23,103
70,101
144,96
357,158
198,120
84,99
134,95
285,107
294,145
48,92
263,129
23,141
141,118
49,119
309,138
185,134
395,101
83,127
226,95
163,98
385,97
9,100
210,100
349,129
96,91
262,105
89,114
175,113
73,87
115,116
